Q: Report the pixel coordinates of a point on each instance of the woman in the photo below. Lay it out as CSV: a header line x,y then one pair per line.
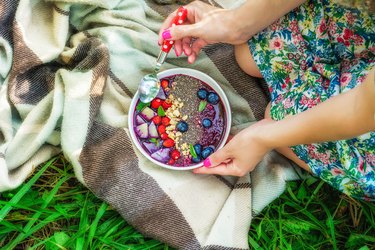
x,y
318,60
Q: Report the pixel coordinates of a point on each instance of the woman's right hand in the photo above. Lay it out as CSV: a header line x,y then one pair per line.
x,y
205,24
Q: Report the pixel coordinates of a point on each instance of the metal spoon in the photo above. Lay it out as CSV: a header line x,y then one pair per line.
x,y
150,84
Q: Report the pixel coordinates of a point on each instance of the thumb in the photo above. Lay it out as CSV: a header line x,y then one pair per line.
x,y
220,156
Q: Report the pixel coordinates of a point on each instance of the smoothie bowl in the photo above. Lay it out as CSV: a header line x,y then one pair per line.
x,y
188,120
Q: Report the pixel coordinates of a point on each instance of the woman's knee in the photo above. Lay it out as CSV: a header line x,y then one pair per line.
x,y
245,60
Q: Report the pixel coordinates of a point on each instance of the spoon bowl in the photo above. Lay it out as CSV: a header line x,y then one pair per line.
x,y
149,88
150,84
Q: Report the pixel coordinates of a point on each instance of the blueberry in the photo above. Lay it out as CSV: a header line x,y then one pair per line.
x,y
198,148
206,123
206,152
196,159
182,126
213,98
202,94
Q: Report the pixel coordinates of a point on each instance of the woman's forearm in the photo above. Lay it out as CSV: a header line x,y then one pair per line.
x,y
255,15
342,117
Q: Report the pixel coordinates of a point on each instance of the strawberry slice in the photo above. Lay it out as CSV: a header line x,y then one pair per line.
x,y
165,121
168,143
156,103
157,120
164,136
166,104
161,129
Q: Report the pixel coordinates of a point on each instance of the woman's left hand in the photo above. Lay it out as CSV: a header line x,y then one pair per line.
x,y
240,155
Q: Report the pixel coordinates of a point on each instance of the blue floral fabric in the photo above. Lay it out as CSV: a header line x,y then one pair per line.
x,y
315,52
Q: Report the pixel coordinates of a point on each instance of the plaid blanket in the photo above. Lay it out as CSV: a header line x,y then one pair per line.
x,y
68,71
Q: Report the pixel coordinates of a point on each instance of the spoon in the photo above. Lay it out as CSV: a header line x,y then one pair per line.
x,y
150,84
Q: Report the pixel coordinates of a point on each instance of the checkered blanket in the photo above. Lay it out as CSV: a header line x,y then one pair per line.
x,y
68,71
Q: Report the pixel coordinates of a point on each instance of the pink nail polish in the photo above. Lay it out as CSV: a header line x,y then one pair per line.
x,y
166,34
207,163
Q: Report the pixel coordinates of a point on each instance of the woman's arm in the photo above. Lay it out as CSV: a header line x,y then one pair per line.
x,y
344,116
208,24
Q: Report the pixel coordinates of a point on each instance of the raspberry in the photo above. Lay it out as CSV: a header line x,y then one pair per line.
x,y
175,154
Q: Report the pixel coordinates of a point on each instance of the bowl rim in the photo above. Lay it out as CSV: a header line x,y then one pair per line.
x,y
204,78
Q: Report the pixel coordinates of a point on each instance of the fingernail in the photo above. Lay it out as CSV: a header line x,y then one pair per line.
x,y
207,163
166,34
175,51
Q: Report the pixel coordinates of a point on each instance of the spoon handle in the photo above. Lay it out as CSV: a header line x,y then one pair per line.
x,y
178,19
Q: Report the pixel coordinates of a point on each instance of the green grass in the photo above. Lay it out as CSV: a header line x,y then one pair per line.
x,y
51,210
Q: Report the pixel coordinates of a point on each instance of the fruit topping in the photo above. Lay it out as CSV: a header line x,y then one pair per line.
x,y
213,98
151,147
142,130
161,155
165,121
182,126
152,131
171,162
164,136
156,120
206,123
164,84
166,104
161,129
202,94
175,154
147,113
196,159
198,148
202,105
155,103
168,143
161,94
139,120
207,152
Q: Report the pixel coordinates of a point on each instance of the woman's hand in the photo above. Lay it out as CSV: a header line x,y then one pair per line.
x,y
240,155
205,24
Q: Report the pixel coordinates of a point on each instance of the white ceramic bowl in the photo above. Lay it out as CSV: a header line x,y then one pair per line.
x,y
204,78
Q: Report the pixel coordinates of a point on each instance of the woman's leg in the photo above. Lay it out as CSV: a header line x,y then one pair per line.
x,y
287,152
245,60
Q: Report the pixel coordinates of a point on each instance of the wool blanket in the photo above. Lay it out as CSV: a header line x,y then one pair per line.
x,y
68,71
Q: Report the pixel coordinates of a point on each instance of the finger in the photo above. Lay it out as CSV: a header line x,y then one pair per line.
x,y
178,47
166,24
230,137
186,45
197,45
221,169
218,157
192,57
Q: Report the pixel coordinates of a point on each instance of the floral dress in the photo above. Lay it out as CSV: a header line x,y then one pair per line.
x,y
315,52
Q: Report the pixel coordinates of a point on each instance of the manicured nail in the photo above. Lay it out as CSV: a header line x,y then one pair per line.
x,y
166,34
175,51
207,163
